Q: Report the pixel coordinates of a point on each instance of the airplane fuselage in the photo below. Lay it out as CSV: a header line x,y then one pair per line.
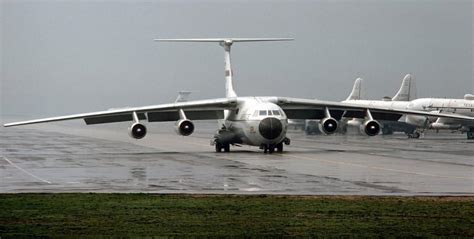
x,y
458,106
255,121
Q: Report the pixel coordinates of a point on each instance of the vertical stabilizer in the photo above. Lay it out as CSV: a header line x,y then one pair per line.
x,y
229,85
183,96
406,89
226,43
356,90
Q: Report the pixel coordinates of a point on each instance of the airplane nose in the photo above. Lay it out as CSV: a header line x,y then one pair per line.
x,y
270,128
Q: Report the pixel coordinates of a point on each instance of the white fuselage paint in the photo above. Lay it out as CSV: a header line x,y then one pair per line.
x,y
458,106
245,124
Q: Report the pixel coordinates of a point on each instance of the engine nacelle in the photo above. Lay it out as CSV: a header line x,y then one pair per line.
x,y
437,125
137,131
370,127
328,125
184,127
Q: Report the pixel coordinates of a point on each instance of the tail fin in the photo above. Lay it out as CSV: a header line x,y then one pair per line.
x,y
356,90
182,96
406,89
226,43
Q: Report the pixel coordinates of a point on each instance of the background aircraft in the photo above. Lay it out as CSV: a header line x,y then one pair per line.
x,y
256,121
404,100
400,101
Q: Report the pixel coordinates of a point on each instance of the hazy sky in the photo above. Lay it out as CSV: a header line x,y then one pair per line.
x,y
61,57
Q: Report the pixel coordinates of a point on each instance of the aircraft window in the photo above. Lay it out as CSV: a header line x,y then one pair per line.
x,y
270,112
282,112
255,113
263,112
276,112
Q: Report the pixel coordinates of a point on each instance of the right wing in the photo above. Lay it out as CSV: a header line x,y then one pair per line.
x,y
194,110
314,109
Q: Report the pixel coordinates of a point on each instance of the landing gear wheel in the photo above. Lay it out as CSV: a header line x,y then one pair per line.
x,y
279,147
226,148
271,149
218,147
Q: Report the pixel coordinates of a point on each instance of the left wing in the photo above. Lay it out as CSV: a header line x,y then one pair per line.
x,y
315,109
194,110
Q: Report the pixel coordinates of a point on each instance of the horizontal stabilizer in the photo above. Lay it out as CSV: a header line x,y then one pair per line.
x,y
230,40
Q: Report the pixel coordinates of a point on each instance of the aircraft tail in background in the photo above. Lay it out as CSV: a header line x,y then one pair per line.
x,y
356,90
407,90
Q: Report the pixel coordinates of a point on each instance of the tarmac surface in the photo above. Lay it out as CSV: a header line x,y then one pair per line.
x,y
72,157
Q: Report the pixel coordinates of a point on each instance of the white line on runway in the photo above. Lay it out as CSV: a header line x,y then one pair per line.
x,y
21,169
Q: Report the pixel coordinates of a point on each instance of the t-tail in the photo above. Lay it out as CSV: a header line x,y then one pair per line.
x,y
226,43
407,89
356,90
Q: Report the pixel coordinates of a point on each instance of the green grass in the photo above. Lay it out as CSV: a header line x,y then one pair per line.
x,y
79,215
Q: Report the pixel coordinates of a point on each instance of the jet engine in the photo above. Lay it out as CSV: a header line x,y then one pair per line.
x,y
328,125
184,127
437,125
137,131
370,127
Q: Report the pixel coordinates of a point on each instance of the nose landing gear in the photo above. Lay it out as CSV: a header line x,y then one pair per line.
x,y
270,148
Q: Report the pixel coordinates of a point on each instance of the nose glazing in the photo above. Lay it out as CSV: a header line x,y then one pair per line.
x,y
270,128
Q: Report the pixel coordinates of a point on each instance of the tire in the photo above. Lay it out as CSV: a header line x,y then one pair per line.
x,y
218,147
279,147
226,148
271,149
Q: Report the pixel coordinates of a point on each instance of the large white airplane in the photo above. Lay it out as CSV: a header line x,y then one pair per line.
x,y
402,100
399,101
256,121
463,106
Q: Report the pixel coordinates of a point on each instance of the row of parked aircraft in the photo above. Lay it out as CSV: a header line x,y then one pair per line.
x,y
412,125
254,120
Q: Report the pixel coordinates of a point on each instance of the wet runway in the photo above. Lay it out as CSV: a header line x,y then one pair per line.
x,y
72,157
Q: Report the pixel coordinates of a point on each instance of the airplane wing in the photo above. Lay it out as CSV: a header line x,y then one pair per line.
x,y
315,109
447,108
195,110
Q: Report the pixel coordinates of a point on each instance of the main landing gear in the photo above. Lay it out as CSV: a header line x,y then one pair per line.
x,y
221,146
414,135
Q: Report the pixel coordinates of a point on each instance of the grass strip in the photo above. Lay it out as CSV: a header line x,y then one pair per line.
x,y
91,215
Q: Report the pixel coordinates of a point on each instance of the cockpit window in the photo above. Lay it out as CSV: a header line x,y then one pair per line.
x,y
276,112
263,112
270,112
255,114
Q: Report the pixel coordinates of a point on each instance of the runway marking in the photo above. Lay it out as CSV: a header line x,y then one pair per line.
x,y
23,170
377,168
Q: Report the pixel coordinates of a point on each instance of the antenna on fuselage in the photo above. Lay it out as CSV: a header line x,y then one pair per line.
x,y
226,43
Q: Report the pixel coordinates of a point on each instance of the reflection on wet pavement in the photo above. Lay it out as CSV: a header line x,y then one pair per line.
x,y
167,163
